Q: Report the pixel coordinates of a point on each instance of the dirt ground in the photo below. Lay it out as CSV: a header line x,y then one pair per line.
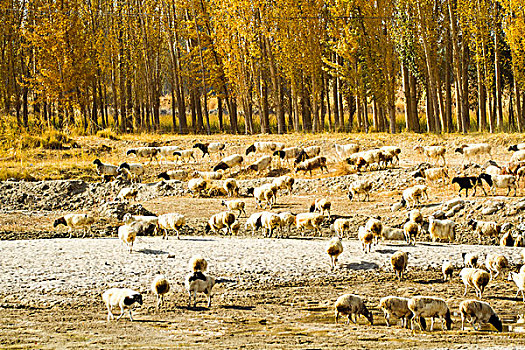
x,y
296,312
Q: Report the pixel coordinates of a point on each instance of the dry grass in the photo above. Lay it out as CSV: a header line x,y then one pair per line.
x,y
108,134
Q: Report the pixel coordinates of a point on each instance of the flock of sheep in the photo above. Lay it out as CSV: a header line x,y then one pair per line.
x,y
307,160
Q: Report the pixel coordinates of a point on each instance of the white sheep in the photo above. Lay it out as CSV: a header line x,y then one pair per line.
x,y
105,170
265,147
263,194
479,312
198,263
392,234
128,233
312,164
222,220
185,154
235,228
322,205
197,282
146,152
133,171
373,156
434,152
375,227
171,221
235,204
394,151
287,220
288,153
411,230
447,269
500,181
310,221
343,151
350,304
208,175
312,151
361,186
441,229
470,259
485,228
426,306
229,162
75,221
159,287
474,150
412,196
334,248
366,238
209,148
476,278
284,182
231,187
495,263
124,298
146,219
167,151
261,164
253,222
196,186
173,175
128,193
416,216
341,226
433,174
397,307
517,156
399,263
269,221
519,280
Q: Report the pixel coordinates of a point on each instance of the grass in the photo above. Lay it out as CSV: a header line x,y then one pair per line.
x,y
108,134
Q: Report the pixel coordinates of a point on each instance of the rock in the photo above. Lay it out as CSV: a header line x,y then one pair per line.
x,y
440,214
453,203
489,210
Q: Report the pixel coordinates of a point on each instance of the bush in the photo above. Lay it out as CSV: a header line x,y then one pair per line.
x,y
108,134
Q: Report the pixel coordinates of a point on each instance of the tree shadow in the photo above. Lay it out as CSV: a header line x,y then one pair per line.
x,y
363,265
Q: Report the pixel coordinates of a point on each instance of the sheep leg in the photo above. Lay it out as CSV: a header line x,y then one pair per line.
x,y
121,313
209,299
189,298
110,314
70,232
465,293
387,319
431,324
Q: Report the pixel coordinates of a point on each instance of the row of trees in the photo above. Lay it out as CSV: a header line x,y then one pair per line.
x,y
274,65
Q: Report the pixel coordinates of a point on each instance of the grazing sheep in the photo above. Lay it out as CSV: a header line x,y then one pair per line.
x,y
287,219
196,186
229,162
493,170
441,229
105,170
146,219
448,269
269,221
171,221
167,151
288,153
311,221
312,151
517,157
209,148
343,151
235,228
399,262
301,157
517,147
412,196
506,240
208,175
128,193
235,204
397,307
124,298
145,152
75,221
485,228
334,248
392,234
198,263
373,156
425,306
253,222
340,226
474,150
185,154
468,182
231,187
411,230
284,182
265,147
415,216
375,227
519,280
394,151
470,259
133,172
220,221
322,205
434,152
350,304
432,174
312,164
366,238
128,233
159,287
360,186
173,175
197,282
495,263
476,278
263,194
478,312
500,181
261,164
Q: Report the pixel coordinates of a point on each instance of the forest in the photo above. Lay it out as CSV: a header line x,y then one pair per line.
x,y
274,66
